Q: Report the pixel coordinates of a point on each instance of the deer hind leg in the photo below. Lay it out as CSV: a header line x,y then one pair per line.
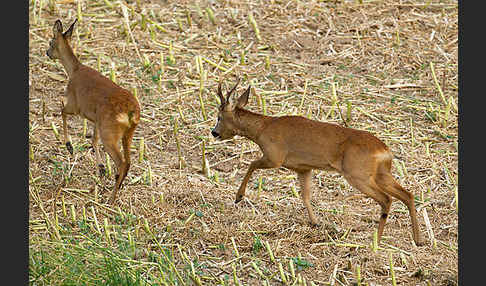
x,y
126,143
372,190
306,193
110,136
388,184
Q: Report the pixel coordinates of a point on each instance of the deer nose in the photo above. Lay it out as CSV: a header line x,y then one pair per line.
x,y
214,133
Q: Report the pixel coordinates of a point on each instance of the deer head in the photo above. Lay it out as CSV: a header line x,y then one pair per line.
x,y
226,126
60,40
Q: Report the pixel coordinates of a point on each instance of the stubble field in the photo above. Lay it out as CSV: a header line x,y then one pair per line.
x,y
389,67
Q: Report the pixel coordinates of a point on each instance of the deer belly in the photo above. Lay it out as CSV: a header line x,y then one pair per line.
x,y
90,115
307,161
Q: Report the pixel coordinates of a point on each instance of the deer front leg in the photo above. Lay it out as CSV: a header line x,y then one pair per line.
x,y
67,142
96,148
66,109
262,163
305,188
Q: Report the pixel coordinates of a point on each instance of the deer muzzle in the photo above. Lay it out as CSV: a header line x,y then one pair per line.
x,y
214,133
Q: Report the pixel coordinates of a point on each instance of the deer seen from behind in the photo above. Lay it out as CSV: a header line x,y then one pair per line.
x,y
302,144
114,111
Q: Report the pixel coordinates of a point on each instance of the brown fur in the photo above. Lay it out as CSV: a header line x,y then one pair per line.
x,y
301,144
114,111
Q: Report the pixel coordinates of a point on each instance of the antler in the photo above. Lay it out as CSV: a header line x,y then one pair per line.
x,y
233,89
220,93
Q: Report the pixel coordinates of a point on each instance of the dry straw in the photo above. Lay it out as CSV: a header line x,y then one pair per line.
x,y
388,67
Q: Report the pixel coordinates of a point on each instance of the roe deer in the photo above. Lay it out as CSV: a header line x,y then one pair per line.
x,y
301,144
114,111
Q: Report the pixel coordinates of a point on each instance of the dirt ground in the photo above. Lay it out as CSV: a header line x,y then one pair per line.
x,y
394,63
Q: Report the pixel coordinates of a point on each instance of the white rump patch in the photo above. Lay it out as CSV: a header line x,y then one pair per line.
x,y
383,155
122,118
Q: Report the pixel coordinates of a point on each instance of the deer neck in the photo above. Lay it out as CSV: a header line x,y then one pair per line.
x,y
249,124
69,60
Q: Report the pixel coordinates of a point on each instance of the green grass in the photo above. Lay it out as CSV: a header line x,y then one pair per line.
x,y
70,263
74,267
84,256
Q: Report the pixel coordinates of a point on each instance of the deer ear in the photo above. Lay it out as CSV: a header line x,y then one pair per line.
x,y
57,28
231,102
230,98
243,99
69,31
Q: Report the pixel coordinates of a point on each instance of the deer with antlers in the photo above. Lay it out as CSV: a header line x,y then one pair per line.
x,y
301,144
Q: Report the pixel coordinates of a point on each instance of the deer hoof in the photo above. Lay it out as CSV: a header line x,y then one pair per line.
x,y
315,224
69,147
238,199
419,243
